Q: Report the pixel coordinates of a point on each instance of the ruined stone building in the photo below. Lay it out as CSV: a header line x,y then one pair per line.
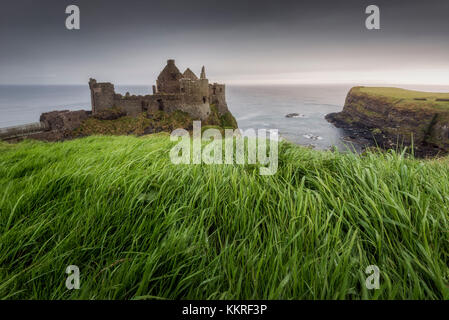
x,y
173,91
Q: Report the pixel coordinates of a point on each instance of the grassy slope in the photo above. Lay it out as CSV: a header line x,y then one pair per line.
x,y
403,93
406,98
140,227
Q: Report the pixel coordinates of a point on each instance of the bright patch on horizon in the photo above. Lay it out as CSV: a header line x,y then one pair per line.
x,y
417,77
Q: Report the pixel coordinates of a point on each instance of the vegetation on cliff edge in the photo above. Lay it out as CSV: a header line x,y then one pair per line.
x,y
140,227
144,123
225,121
114,122
408,98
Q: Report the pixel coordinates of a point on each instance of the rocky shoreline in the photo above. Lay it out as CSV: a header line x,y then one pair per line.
x,y
359,135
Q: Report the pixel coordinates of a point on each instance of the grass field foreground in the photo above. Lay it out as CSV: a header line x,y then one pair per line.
x,y
140,227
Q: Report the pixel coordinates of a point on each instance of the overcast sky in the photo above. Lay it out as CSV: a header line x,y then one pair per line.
x,y
256,41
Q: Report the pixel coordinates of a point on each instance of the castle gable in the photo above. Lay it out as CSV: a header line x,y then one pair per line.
x,y
170,72
168,79
188,74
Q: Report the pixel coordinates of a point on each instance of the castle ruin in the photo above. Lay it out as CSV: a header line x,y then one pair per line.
x,y
173,91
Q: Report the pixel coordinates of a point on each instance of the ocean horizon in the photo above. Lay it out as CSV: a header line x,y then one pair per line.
x,y
254,107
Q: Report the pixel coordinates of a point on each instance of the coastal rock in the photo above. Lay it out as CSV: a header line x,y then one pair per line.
x,y
64,120
391,118
294,115
312,137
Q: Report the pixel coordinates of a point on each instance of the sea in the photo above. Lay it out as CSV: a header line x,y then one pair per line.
x,y
254,107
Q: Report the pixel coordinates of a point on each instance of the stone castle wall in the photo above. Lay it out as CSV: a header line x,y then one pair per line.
x,y
102,95
133,105
217,94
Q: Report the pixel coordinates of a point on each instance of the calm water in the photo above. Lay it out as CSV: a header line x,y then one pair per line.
x,y
257,107
265,107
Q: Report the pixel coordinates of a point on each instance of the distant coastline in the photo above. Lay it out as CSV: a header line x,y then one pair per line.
x,y
258,106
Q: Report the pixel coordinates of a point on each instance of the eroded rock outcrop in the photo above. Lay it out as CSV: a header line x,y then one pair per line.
x,y
64,120
53,126
391,118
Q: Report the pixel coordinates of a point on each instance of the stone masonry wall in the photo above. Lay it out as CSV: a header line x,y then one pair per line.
x,y
217,94
102,95
134,105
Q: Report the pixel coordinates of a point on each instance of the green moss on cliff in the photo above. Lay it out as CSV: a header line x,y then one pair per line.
x,y
142,124
410,99
226,120
113,122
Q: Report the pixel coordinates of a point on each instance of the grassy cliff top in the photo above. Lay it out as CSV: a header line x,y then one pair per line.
x,y
403,93
140,227
408,97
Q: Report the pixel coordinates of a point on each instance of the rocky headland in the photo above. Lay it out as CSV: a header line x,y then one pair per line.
x,y
392,118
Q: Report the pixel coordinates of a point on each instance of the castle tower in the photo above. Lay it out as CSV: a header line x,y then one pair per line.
x,y
168,79
102,95
203,73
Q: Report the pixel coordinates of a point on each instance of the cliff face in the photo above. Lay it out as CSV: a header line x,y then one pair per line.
x,y
391,117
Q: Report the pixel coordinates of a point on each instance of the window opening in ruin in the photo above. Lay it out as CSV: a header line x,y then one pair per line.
x,y
160,105
204,99
144,106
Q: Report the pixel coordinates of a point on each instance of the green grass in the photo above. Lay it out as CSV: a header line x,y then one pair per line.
x,y
408,98
403,93
140,227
